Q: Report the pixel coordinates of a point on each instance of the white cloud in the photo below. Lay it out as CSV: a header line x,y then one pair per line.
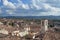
x,y
53,11
22,5
25,6
49,13
46,6
8,4
51,8
19,1
10,12
35,4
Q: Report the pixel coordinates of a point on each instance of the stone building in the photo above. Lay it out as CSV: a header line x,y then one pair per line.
x,y
44,25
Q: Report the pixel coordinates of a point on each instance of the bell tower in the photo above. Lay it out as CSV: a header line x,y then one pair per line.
x,y
44,25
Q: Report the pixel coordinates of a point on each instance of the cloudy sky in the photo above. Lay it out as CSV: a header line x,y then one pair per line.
x,y
29,7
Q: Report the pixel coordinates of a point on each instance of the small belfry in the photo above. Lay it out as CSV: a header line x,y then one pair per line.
x,y
44,25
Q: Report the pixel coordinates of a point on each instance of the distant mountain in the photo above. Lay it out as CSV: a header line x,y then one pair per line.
x,y
34,17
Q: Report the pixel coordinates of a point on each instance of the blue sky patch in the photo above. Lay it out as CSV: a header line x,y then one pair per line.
x,y
30,7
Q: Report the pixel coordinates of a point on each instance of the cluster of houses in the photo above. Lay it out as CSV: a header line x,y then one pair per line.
x,y
20,28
